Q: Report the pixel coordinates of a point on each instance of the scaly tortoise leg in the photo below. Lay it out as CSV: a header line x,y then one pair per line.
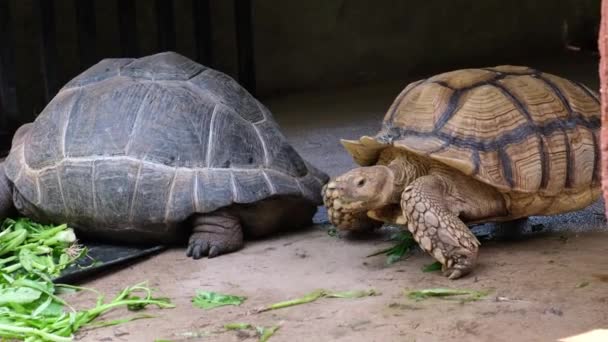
x,y
6,195
436,228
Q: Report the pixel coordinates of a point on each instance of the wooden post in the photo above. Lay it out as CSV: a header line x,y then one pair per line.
x,y
603,48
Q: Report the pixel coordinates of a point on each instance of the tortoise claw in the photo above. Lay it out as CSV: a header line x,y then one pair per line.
x,y
197,248
214,251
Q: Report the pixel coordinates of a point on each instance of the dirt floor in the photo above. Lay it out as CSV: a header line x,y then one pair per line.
x,y
546,286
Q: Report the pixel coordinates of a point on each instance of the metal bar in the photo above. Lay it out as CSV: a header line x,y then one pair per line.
x,y
244,44
48,42
603,68
202,31
87,32
8,79
166,24
127,28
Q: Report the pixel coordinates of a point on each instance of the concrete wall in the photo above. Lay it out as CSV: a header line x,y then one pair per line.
x,y
317,43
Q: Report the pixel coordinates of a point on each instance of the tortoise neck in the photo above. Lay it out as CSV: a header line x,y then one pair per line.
x,y
406,168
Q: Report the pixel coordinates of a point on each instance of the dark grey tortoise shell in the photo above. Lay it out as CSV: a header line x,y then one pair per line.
x,y
145,143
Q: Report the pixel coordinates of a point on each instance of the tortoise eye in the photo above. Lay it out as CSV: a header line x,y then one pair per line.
x,y
360,182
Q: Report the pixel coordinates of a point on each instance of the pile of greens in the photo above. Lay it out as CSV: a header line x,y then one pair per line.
x,y
31,310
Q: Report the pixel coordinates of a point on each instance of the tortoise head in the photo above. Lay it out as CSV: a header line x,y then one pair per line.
x,y
349,196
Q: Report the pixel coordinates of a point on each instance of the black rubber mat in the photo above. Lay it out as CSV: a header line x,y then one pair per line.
x,y
103,256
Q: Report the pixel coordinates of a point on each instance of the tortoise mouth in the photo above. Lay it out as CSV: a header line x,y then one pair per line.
x,y
334,197
341,212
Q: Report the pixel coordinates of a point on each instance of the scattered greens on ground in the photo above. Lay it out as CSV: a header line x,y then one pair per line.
x,y
404,244
30,306
332,231
237,326
351,294
582,284
265,333
436,266
209,300
445,292
312,296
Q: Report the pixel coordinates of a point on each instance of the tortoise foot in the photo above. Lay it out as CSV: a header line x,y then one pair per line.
x,y
459,264
215,235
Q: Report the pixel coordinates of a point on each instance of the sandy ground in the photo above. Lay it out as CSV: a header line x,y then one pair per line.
x,y
548,285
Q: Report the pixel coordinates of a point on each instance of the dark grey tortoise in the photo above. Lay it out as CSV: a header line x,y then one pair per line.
x,y
154,150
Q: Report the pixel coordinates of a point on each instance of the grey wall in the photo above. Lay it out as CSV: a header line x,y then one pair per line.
x,y
317,43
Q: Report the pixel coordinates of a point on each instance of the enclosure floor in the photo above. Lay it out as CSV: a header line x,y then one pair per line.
x,y
543,288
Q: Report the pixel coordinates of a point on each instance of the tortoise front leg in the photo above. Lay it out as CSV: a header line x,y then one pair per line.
x,y
214,234
432,206
6,195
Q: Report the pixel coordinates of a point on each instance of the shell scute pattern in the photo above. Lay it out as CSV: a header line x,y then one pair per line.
x,y
512,127
161,127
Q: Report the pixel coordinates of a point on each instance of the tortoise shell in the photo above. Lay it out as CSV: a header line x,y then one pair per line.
x,y
138,143
512,127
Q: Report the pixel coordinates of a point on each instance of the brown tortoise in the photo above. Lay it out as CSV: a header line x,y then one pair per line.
x,y
470,146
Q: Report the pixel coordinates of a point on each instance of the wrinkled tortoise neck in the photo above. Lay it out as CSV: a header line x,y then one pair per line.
x,y
406,168
6,195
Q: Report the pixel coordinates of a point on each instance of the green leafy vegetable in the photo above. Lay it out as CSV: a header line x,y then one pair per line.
x,y
209,300
30,306
444,292
436,266
404,245
28,247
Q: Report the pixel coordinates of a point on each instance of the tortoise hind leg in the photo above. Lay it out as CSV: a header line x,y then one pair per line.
x,y
434,207
214,234
224,231
272,215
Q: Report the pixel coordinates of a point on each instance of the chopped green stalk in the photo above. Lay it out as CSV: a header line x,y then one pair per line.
x,y
237,326
311,297
11,269
209,300
24,331
444,292
65,236
48,233
9,259
352,294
